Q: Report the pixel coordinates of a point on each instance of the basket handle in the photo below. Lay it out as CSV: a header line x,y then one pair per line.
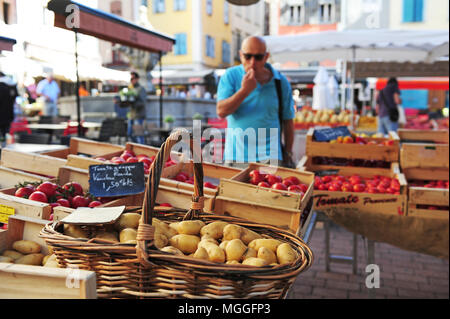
x,y
145,232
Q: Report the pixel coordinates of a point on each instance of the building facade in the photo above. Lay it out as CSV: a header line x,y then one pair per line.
x,y
419,14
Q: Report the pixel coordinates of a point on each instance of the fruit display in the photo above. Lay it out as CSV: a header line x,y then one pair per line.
x,y
423,122
28,252
217,241
429,184
336,161
290,184
355,183
363,139
71,194
307,118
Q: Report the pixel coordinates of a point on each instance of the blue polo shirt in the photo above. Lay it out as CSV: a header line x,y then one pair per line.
x,y
253,130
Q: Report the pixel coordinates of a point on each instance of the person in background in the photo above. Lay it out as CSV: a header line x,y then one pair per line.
x,y
387,98
8,94
49,90
82,90
137,112
247,97
207,95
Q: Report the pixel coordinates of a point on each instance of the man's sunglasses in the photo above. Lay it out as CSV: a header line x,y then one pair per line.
x,y
258,57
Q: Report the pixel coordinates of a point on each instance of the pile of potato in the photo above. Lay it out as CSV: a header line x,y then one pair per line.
x,y
218,241
27,252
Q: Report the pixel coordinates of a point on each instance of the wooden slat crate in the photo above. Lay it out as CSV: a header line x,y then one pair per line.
x,y
423,136
40,164
306,161
423,196
422,155
364,202
10,177
35,282
353,150
81,146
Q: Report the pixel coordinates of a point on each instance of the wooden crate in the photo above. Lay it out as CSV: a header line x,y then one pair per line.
x,y
365,202
30,208
423,155
423,136
10,177
45,165
35,282
238,188
353,150
307,164
418,196
90,148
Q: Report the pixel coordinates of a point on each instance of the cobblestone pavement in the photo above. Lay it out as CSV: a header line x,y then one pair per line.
x,y
403,274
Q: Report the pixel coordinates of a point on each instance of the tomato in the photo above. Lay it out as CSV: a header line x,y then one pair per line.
x,y
293,179
209,185
381,189
279,186
94,203
273,179
24,192
48,188
322,187
304,187
264,184
38,197
326,179
287,182
295,189
359,188
181,177
145,160
132,160
256,177
79,201
347,187
73,188
165,205
63,202
334,187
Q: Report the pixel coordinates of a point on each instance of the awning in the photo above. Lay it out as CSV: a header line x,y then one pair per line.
x,y
186,77
110,28
304,75
6,44
438,83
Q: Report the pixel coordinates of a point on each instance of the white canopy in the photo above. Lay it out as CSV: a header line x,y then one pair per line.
x,y
360,45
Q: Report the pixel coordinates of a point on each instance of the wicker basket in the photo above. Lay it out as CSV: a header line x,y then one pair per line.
x,y
143,271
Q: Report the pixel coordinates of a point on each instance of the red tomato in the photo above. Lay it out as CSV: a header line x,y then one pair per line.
x,y
48,188
24,192
256,177
209,185
118,160
145,160
359,188
334,187
323,187
347,187
181,177
295,189
132,160
326,179
287,182
293,179
165,205
74,188
79,201
279,186
264,184
63,202
273,179
304,187
38,197
94,203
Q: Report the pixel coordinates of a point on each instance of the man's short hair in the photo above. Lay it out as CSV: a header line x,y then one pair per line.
x,y
135,75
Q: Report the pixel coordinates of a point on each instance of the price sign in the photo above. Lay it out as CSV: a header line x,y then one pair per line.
x,y
116,180
328,134
5,212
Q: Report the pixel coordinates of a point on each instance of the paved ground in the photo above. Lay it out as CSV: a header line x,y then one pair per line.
x,y
403,274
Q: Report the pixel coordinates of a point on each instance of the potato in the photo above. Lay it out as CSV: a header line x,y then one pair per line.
x,y
254,261
214,229
186,243
266,254
215,253
161,239
201,253
286,254
172,250
164,228
12,254
224,244
271,244
8,260
235,231
51,264
75,231
49,258
188,227
233,262
111,236
127,220
128,235
235,250
250,252
209,238
27,247
31,259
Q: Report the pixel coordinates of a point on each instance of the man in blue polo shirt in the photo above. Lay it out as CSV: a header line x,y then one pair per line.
x,y
247,98
49,90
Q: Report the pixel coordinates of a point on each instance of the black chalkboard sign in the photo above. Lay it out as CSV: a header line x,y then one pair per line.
x,y
116,180
328,134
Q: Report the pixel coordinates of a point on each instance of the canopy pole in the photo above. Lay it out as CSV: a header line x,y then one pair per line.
x,y
343,85
352,87
77,93
161,91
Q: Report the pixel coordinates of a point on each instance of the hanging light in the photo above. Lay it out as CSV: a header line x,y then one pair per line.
x,y
243,2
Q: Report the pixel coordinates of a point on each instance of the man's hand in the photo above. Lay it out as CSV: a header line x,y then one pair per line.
x,y
249,82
